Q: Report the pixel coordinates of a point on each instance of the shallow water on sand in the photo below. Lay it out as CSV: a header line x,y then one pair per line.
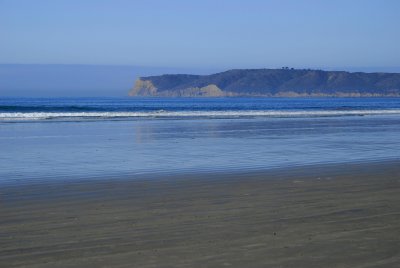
x,y
66,150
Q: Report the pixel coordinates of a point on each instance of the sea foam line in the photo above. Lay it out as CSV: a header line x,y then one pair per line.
x,y
177,114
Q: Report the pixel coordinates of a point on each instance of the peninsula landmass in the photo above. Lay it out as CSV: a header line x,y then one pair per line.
x,y
285,82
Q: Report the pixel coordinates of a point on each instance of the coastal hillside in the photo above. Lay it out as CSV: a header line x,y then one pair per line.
x,y
283,82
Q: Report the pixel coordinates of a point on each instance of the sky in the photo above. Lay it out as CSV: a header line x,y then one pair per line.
x,y
53,48
206,34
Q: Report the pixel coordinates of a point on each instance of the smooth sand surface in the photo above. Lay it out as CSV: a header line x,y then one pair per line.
x,y
321,216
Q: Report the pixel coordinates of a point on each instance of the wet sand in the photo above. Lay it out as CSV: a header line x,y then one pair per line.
x,y
317,216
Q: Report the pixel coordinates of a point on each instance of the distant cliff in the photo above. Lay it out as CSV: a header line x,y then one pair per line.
x,y
270,83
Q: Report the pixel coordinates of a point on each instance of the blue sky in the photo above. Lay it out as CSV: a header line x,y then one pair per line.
x,y
202,34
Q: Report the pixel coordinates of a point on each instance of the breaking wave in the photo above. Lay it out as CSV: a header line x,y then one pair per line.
x,y
17,116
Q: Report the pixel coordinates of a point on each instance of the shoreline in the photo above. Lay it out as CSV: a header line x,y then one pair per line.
x,y
288,171
343,215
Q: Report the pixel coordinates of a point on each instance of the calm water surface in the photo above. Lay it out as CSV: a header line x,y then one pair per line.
x,y
42,141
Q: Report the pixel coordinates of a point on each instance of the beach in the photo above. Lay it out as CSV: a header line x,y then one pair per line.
x,y
114,182
337,215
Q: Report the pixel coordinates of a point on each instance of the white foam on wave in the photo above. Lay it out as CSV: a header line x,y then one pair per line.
x,y
188,114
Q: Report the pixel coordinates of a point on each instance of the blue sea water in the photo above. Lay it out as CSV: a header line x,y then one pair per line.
x,y
131,108
68,139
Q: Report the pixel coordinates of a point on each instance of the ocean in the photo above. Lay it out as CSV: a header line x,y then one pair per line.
x,y
83,138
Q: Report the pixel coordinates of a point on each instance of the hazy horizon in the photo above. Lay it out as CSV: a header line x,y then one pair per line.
x,y
85,80
75,80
